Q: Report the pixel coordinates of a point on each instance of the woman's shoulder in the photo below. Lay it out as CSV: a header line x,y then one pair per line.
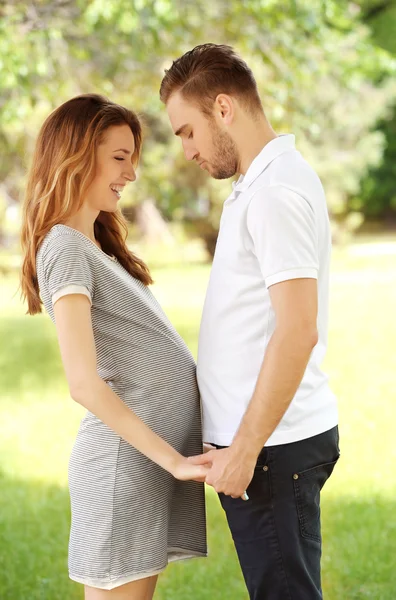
x,y
62,240
64,259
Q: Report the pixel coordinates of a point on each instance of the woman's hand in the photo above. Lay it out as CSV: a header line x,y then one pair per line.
x,y
185,471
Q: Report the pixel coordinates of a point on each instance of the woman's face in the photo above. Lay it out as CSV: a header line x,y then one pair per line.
x,y
114,169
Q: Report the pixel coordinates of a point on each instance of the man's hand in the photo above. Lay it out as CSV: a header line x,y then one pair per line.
x,y
231,471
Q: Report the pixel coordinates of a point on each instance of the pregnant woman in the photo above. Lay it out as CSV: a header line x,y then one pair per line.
x,y
137,503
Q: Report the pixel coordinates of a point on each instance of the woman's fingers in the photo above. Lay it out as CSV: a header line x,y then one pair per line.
x,y
187,471
201,474
201,459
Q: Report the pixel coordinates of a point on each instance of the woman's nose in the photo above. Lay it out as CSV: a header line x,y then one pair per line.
x,y
130,174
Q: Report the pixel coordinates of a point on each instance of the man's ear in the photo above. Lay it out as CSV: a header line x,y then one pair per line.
x,y
225,108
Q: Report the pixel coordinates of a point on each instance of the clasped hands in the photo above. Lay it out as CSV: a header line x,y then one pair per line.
x,y
227,470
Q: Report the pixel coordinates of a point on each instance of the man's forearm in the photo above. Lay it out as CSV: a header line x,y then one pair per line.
x,y
283,368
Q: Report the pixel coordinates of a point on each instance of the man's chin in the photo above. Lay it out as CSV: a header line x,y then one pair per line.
x,y
221,174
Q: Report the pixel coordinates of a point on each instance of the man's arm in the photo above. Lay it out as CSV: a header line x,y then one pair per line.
x,y
286,358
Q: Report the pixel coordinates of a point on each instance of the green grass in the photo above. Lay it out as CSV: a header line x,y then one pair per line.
x,y
38,423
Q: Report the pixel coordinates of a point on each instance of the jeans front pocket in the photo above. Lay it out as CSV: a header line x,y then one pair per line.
x,y
307,487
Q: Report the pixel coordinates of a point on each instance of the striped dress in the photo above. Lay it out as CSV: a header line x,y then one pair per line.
x,y
129,516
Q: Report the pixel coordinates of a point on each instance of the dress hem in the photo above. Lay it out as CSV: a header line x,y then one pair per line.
x,y
114,583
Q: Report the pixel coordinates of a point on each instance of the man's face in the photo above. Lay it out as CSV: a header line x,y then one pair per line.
x,y
204,140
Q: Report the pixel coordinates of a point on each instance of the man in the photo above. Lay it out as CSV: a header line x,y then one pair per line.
x,y
267,406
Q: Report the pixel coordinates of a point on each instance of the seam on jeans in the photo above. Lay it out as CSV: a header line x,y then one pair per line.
x,y
302,521
271,460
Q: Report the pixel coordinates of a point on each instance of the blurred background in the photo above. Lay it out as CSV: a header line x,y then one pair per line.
x,y
326,71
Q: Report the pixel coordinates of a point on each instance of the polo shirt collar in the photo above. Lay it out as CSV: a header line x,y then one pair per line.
x,y
274,148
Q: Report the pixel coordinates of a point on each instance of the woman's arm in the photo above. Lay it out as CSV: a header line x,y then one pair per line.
x,y
78,352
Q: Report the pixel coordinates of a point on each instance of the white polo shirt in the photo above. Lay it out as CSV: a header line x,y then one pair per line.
x,y
274,227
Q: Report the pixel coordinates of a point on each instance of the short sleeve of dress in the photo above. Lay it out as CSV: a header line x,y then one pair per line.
x,y
66,268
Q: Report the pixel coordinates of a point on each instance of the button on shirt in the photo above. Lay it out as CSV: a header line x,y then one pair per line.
x,y
274,227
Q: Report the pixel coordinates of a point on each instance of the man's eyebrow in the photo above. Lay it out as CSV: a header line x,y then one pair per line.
x,y
123,150
181,129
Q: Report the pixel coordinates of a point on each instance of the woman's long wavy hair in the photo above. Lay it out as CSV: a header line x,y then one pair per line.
x,y
62,170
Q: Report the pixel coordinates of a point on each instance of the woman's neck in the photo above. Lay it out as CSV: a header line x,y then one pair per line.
x,y
84,221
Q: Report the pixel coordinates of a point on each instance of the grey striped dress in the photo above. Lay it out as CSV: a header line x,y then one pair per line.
x,y
129,516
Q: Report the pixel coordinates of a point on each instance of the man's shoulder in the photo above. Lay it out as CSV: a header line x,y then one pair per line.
x,y
289,172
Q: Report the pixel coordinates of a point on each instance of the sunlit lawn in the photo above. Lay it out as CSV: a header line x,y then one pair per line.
x,y
38,423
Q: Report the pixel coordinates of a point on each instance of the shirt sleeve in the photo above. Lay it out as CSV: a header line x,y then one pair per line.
x,y
71,289
67,269
283,228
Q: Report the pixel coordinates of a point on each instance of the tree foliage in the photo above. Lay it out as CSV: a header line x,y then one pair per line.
x,y
319,74
376,199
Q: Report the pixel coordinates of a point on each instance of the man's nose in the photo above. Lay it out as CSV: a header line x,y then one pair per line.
x,y
189,151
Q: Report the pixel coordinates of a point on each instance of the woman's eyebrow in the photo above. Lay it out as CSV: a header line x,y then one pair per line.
x,y
123,150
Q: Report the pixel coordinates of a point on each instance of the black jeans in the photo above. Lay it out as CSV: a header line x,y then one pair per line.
x,y
277,531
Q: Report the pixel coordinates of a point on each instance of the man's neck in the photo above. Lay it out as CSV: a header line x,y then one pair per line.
x,y
256,135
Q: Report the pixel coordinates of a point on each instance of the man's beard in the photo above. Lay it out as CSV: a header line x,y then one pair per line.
x,y
225,158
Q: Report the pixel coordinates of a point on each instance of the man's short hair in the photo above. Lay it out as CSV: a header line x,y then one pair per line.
x,y
207,71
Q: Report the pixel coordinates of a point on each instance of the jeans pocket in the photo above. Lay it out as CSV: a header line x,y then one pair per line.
x,y
307,487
